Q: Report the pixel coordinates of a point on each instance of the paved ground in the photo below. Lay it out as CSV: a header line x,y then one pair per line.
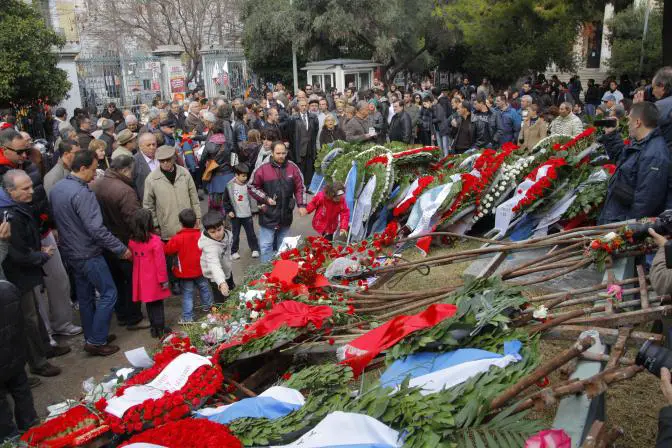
x,y
78,366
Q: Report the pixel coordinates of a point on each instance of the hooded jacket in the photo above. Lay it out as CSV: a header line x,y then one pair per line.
x,y
216,257
23,265
639,187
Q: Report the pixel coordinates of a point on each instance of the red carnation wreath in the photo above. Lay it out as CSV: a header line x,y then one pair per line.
x,y
188,432
202,383
75,427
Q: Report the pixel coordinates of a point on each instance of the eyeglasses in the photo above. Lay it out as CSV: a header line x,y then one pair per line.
x,y
18,151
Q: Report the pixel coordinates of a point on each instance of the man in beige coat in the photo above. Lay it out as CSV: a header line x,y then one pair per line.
x,y
169,190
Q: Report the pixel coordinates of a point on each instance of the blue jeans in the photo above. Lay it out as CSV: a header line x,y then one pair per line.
x,y
188,296
590,109
91,275
266,238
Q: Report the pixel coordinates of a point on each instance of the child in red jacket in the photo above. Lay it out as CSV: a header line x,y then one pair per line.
x,y
331,211
188,268
150,276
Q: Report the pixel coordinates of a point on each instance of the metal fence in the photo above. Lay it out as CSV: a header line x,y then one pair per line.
x,y
127,81
217,80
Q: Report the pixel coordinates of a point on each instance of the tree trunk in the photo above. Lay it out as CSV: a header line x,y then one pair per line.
x,y
667,33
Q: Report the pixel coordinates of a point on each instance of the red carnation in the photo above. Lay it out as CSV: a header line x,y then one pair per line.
x,y
331,341
286,376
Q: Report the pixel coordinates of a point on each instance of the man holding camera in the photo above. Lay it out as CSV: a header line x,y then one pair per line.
x,y
640,185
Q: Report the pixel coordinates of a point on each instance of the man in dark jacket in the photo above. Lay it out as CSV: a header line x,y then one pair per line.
x,y
118,203
84,132
83,238
639,187
488,125
107,136
463,130
276,186
112,113
466,89
23,265
400,125
662,92
13,379
302,130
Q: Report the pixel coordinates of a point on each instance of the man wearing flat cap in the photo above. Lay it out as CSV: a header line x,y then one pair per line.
x,y
126,144
169,190
167,128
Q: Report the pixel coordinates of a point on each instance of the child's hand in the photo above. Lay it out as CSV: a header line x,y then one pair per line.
x,y
164,285
343,232
224,289
232,215
303,211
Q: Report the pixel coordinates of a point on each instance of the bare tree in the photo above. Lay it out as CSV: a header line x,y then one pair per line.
x,y
191,24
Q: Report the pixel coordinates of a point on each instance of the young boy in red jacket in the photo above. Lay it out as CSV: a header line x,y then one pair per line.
x,y
188,268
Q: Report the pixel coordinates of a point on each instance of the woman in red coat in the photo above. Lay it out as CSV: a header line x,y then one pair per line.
x,y
331,211
150,275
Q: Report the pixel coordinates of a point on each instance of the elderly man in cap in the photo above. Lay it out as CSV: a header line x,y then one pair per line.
x,y
169,190
145,162
609,101
126,144
107,136
167,128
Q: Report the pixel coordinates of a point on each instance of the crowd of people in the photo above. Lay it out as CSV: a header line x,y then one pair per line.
x,y
107,213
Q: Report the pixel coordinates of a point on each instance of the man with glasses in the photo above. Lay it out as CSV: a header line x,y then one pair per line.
x,y
12,150
167,128
84,130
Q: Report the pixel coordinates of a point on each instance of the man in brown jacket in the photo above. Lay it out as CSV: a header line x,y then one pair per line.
x,y
118,203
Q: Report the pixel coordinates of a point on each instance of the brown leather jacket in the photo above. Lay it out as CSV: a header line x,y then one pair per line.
x,y
118,203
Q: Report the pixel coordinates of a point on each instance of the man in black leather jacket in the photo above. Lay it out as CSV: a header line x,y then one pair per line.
x,y
400,126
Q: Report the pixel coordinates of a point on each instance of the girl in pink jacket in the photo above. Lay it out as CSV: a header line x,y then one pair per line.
x,y
331,211
150,276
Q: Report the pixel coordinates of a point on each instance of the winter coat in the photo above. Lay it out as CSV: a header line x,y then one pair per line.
x,y
149,270
330,136
531,134
426,119
570,125
356,130
593,96
639,187
510,126
218,149
84,138
117,116
440,120
665,119
216,257
165,200
23,265
377,122
185,245
118,203
109,143
79,221
285,184
13,347
330,216
401,128
140,172
295,136
487,129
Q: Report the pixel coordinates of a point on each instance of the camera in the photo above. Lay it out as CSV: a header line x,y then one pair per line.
x,y
662,226
653,357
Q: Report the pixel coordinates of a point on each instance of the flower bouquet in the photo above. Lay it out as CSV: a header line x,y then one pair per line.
x,y
169,403
617,243
75,427
188,432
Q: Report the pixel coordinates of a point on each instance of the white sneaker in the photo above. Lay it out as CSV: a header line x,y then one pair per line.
x,y
255,254
235,256
70,330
